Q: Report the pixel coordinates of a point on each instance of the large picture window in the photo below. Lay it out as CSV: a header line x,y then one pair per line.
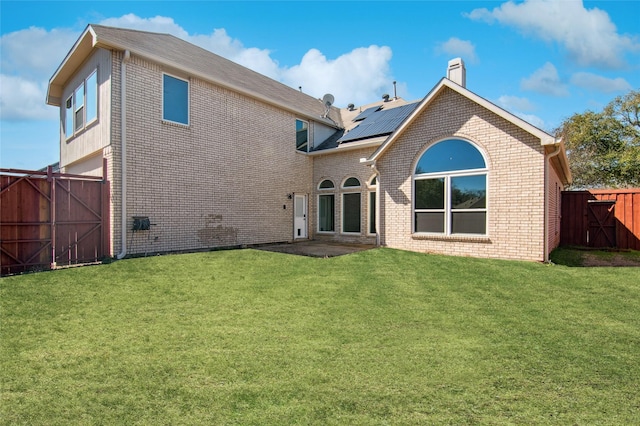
x,y
81,108
175,99
450,190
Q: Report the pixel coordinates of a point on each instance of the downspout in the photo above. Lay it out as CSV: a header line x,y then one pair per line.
x,y
547,163
123,153
377,206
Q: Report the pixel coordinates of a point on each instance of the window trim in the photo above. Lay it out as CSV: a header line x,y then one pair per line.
x,y
166,120
342,221
372,189
448,210
325,194
308,143
71,108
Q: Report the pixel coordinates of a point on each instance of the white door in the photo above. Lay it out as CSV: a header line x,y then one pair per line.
x,y
300,217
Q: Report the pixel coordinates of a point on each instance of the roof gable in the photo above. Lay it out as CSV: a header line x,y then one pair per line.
x,y
546,140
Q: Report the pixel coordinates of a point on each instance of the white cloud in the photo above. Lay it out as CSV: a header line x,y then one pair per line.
x,y
588,35
31,56
356,77
457,47
599,83
515,103
35,53
531,119
545,80
22,99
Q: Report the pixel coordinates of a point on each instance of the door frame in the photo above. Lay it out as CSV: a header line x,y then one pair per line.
x,y
300,223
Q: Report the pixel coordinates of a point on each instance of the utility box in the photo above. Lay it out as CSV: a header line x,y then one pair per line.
x,y
141,223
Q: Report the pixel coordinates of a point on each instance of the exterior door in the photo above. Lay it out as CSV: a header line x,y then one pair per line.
x,y
602,223
300,216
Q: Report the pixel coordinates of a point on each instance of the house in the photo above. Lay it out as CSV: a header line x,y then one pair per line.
x,y
204,153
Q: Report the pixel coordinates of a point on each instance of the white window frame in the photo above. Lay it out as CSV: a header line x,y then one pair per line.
x,y
308,145
373,189
348,190
327,191
447,210
71,111
188,123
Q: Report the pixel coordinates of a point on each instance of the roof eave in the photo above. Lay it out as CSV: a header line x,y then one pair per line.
x,y
78,53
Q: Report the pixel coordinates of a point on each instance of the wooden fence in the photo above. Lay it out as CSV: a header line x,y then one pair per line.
x,y
601,218
52,219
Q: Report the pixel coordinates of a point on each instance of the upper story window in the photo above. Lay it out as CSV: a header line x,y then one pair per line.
x,y
450,190
81,108
175,99
302,135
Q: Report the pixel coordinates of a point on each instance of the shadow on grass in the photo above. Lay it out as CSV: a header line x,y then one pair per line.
x,y
586,257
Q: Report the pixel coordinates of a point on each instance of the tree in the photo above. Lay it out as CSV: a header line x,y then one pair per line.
x,y
604,148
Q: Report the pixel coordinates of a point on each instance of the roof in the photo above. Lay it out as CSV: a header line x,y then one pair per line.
x,y
180,55
368,125
552,145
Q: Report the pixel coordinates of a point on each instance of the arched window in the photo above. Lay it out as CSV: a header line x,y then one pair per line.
x,y
326,184
450,190
351,206
326,207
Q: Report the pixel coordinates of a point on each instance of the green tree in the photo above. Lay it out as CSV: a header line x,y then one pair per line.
x,y
604,148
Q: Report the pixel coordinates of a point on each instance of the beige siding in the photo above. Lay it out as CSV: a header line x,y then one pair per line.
x,y
338,167
515,182
96,135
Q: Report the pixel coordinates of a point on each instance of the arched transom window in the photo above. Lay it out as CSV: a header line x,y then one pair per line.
x,y
450,190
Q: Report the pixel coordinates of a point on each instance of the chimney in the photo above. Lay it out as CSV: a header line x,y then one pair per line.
x,y
456,72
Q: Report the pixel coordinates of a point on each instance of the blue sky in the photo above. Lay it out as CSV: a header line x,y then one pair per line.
x,y
542,60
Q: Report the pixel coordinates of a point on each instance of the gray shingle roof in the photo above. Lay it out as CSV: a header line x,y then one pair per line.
x,y
177,53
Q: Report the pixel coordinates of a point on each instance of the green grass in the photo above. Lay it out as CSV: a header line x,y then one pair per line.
x,y
374,338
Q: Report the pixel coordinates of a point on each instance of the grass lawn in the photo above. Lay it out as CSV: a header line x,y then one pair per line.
x,y
377,337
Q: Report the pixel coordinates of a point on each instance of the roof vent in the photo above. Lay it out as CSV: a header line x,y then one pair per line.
x,y
350,107
385,97
456,72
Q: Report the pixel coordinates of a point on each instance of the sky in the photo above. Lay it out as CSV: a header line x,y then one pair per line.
x,y
542,60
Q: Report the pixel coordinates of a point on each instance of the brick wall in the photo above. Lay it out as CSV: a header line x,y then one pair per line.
x,y
220,181
515,182
338,167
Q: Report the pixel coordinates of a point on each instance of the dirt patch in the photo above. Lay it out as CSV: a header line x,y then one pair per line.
x,y
315,248
611,259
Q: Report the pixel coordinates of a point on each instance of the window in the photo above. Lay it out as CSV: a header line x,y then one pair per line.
x,y
326,207
351,207
175,99
81,108
450,190
372,205
302,135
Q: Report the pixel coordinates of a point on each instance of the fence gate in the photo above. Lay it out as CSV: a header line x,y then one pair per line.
x,y
51,219
601,220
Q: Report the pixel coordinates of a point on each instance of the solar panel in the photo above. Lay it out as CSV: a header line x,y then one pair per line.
x,y
367,112
379,123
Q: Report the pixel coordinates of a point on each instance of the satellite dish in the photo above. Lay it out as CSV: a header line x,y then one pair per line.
x,y
328,101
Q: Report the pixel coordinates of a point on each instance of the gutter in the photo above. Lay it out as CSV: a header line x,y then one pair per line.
x,y
123,154
547,164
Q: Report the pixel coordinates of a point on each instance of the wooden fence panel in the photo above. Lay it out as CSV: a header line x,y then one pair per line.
x,y
577,230
50,219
